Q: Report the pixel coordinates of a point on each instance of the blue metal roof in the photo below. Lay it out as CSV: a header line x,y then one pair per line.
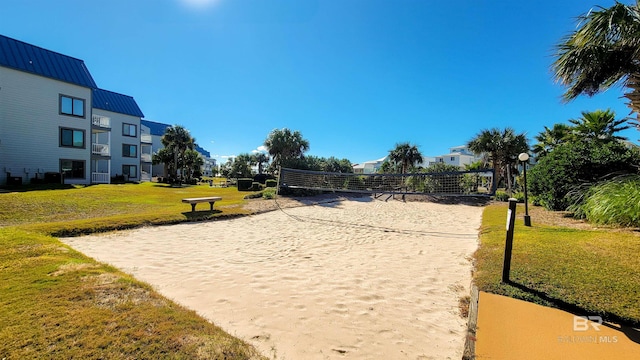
x,y
202,151
29,58
158,129
155,128
111,101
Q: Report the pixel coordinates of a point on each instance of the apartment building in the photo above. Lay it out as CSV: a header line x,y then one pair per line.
x,y
55,120
152,132
458,156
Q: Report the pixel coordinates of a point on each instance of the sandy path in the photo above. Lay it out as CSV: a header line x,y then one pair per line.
x,y
357,279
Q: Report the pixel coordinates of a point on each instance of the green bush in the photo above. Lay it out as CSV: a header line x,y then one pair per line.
x,y
501,196
269,194
560,178
256,186
245,184
354,183
615,202
519,196
271,183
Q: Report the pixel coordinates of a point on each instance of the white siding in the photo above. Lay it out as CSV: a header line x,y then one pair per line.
x,y
30,125
118,139
158,170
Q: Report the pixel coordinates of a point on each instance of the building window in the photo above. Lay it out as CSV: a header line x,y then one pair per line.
x,y
72,138
130,171
71,106
129,130
453,158
129,150
72,169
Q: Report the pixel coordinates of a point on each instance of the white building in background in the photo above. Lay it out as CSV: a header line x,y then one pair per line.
x,y
56,123
208,167
458,156
369,167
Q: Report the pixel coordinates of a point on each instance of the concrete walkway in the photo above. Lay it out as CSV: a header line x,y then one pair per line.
x,y
517,330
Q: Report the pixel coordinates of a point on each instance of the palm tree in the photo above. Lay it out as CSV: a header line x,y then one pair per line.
x,y
192,162
602,52
502,148
165,157
405,154
178,140
550,139
260,159
599,125
284,146
241,166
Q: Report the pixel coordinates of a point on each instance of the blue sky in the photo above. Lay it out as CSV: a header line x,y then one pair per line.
x,y
355,77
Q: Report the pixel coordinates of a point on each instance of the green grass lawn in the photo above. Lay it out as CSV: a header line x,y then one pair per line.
x,y
58,303
112,207
594,272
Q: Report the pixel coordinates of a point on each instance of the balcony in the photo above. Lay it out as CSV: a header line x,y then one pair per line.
x,y
146,138
145,157
101,121
100,149
100,178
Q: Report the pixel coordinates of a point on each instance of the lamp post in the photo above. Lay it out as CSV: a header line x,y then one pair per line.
x,y
524,158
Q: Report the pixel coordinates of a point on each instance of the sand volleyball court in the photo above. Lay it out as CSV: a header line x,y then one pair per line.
x,y
354,279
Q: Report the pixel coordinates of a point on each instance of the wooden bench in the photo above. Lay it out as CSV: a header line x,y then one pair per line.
x,y
193,201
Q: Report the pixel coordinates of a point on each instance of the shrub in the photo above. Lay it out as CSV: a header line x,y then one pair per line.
x,y
519,196
501,196
354,183
269,194
118,179
256,186
558,180
271,183
615,202
245,184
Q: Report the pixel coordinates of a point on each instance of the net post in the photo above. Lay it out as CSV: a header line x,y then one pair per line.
x,y
278,181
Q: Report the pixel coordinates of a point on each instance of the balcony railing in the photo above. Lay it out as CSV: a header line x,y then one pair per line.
x,y
100,149
101,121
100,178
146,138
145,157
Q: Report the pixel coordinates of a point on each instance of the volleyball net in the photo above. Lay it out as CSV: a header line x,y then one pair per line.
x,y
456,183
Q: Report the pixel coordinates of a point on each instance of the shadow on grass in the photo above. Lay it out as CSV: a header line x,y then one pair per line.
x,y
39,187
625,327
201,214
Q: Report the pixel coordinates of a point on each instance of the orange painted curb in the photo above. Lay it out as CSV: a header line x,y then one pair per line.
x,y
518,330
